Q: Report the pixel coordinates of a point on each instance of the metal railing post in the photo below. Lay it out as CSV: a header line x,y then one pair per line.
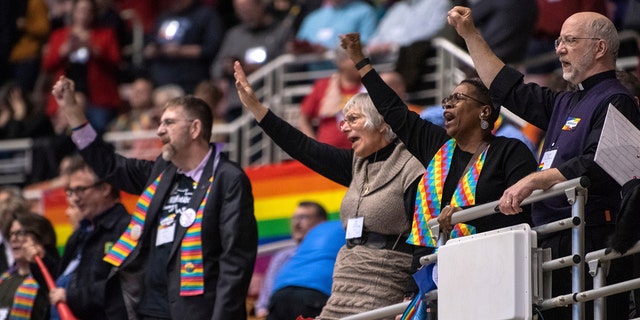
x,y
576,198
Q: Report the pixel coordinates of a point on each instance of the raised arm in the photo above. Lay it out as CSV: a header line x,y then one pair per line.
x,y
486,62
64,93
245,92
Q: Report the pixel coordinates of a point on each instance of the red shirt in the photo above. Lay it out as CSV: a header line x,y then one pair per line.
x,y
328,130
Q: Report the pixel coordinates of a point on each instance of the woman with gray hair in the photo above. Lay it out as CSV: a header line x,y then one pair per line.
x,y
372,269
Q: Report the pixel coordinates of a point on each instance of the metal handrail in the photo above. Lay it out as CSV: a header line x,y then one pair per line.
x,y
575,190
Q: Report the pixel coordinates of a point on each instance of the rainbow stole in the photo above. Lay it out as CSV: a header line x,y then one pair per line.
x,y
24,297
191,265
128,240
429,195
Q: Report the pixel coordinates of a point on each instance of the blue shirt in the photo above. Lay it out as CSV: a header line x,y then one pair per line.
x,y
323,25
311,266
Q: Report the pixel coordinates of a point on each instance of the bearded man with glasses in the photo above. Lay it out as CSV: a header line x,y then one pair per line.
x,y
587,49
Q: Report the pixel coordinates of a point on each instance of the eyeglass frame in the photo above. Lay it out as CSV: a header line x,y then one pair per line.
x,y
351,121
570,41
455,97
80,189
170,122
20,234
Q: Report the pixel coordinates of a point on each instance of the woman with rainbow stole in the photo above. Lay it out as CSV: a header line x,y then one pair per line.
x,y
465,163
23,292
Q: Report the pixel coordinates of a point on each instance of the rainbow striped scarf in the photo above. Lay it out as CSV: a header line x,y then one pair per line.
x,y
24,297
129,239
429,195
191,265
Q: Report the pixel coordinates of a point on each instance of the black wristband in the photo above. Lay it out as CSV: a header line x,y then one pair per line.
x,y
362,63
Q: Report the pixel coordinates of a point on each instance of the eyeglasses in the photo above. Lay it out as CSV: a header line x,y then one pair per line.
x,y
170,122
19,234
570,41
350,119
81,189
459,96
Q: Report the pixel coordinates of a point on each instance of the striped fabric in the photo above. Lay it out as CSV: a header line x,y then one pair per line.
x,y
429,195
24,297
129,239
191,267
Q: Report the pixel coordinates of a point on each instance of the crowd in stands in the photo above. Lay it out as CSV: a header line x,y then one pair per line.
x,y
205,49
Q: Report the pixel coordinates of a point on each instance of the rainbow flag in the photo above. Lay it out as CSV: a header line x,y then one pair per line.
x,y
277,189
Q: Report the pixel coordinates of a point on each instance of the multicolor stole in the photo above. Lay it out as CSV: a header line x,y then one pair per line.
x,y
429,195
129,239
24,297
191,266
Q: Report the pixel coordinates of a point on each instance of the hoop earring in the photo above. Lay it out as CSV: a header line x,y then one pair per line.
x,y
484,124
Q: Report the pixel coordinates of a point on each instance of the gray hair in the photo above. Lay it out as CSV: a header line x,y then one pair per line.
x,y
373,119
604,29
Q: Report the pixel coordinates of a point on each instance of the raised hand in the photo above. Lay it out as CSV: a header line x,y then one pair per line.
x,y
64,93
245,92
350,42
460,18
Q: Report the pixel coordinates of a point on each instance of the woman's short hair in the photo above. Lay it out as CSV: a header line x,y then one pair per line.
x,y
39,227
373,119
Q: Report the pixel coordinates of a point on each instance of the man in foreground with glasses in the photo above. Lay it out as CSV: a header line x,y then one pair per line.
x,y
82,274
587,49
189,250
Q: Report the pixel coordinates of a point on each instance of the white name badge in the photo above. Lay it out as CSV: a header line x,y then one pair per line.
x,y
354,227
547,159
165,234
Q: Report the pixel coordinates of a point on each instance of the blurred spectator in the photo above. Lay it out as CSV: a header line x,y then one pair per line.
x,y
33,30
321,110
257,40
59,181
138,117
160,96
18,116
183,44
320,29
23,292
82,273
306,216
145,10
631,82
212,95
506,25
60,12
107,16
90,56
303,285
406,22
551,16
293,10
11,201
9,13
